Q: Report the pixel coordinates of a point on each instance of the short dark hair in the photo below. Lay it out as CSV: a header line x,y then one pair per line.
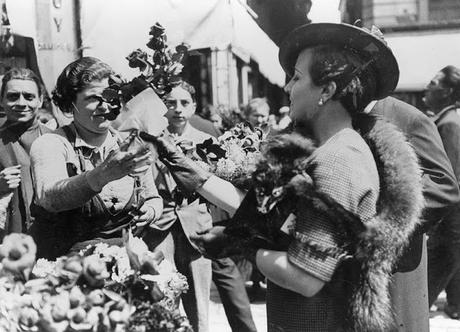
x,y
21,74
356,80
452,80
77,76
187,87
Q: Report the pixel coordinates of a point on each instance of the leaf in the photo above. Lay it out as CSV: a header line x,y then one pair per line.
x,y
208,150
133,258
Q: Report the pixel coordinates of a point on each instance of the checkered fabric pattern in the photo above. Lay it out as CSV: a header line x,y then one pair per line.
x,y
344,169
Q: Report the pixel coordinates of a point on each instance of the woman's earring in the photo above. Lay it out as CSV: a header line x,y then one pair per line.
x,y
320,102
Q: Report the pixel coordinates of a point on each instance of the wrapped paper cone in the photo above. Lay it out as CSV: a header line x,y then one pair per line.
x,y
144,112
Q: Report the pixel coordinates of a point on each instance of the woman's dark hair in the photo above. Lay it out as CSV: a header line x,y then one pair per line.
x,y
452,80
76,77
354,77
21,74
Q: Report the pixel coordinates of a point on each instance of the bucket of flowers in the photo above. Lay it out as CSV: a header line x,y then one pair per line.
x,y
102,288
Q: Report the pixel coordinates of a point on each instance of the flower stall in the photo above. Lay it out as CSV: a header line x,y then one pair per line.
x,y
102,288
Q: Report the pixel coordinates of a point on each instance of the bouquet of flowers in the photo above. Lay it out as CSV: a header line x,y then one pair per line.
x,y
136,106
103,288
234,157
158,71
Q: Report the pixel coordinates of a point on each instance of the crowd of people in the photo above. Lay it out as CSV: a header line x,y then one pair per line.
x,y
385,162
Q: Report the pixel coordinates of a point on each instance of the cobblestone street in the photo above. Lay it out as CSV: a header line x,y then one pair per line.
x,y
439,321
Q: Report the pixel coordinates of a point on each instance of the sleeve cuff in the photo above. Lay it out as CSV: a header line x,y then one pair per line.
x,y
316,261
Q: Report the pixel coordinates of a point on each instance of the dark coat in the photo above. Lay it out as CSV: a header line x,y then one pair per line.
x,y
441,193
15,143
204,125
448,123
441,189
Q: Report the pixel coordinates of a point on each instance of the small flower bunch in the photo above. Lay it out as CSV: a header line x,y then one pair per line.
x,y
159,71
235,155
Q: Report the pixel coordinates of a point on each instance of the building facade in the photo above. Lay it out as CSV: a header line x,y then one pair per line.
x,y
423,34
233,59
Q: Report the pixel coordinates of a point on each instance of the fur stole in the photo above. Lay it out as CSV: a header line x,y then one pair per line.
x,y
399,209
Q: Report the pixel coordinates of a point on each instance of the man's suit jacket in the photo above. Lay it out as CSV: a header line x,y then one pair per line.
x,y
448,123
15,143
192,214
441,190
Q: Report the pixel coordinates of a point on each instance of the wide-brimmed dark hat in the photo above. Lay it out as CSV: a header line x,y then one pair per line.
x,y
362,42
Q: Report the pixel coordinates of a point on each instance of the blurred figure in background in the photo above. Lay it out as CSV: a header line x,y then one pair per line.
x,y
201,120
257,112
21,98
47,118
441,96
230,116
216,120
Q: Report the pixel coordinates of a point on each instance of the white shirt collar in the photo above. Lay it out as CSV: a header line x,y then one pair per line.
x,y
442,112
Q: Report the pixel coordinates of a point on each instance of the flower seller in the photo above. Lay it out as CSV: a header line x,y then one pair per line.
x,y
89,183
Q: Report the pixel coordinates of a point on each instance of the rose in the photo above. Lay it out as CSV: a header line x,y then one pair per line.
x,y
28,318
78,320
70,268
137,59
96,297
17,253
76,297
95,271
157,30
60,306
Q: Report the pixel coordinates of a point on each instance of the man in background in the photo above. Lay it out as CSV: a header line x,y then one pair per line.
x,y
257,112
441,96
408,290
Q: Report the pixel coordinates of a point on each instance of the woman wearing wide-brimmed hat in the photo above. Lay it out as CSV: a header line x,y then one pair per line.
x,y
329,279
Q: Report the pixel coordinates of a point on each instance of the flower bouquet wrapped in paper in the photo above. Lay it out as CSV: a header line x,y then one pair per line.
x,y
137,105
103,288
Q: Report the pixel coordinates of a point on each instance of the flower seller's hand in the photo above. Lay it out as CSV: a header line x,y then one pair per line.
x,y
119,164
145,214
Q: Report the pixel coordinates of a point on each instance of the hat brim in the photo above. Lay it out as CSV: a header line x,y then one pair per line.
x,y
361,42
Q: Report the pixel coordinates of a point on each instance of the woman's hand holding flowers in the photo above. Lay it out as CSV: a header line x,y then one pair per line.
x,y
188,174
211,241
217,243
